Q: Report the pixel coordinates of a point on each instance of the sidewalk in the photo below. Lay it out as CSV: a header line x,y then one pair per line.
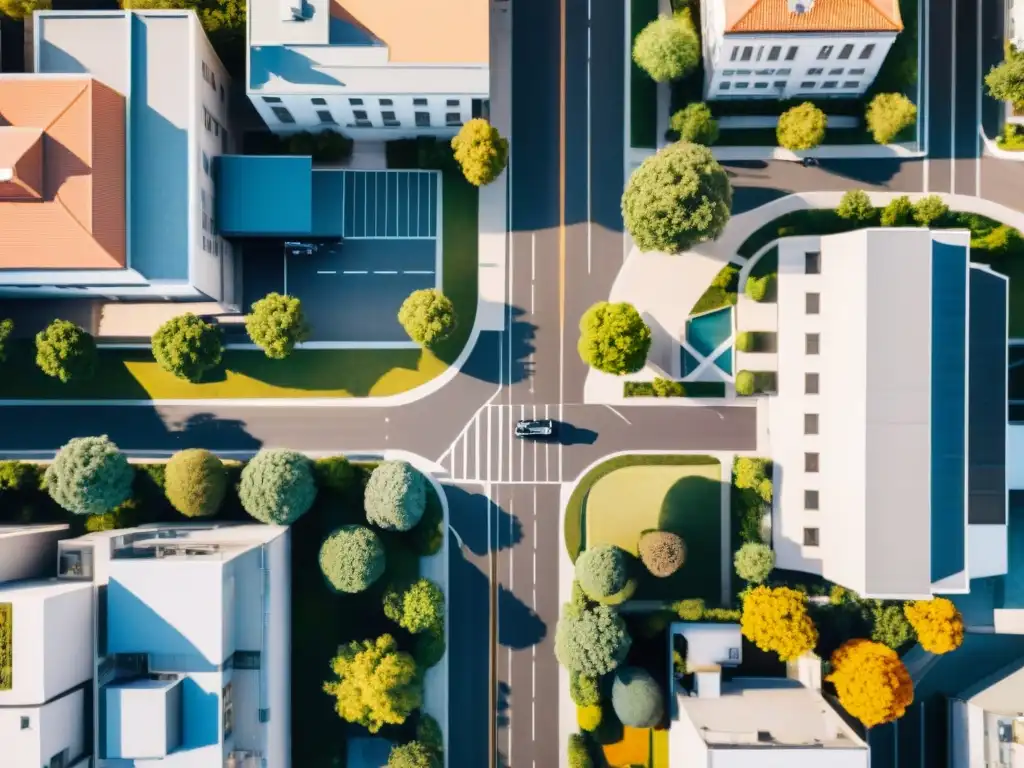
x,y
826,152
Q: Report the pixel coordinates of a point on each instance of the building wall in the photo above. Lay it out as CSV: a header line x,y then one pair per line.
x,y
277,653
248,579
68,637
790,65
779,757
30,553
51,729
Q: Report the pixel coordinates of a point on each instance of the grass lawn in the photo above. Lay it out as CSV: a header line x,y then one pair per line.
x,y
133,374
684,499
643,94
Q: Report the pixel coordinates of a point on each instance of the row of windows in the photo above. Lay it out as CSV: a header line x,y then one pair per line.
x,y
355,101
210,77
362,118
780,85
787,71
812,386
746,52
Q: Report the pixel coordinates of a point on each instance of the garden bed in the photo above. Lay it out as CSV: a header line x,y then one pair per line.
x,y
690,389
6,646
643,91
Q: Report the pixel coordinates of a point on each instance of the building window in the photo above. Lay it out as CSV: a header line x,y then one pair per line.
x,y
743,72
808,84
206,72
830,84
26,723
846,51
811,462
390,121
768,72
760,53
272,99
419,102
867,51
784,71
728,72
207,119
282,114
222,94
360,114
779,84
791,53
206,164
246,660
850,84
724,86
60,760
325,116
741,86
452,118
810,423
812,343
856,71
824,52
229,711
216,125
748,51
760,86
422,119
363,123
810,383
317,101
386,102
453,103
213,80
812,303
476,108
735,52
811,500
774,52
810,537
812,263
837,71
815,71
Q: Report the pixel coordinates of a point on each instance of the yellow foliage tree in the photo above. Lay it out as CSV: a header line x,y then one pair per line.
x,y
777,620
872,683
939,625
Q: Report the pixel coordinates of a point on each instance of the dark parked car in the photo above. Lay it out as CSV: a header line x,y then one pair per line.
x,y
535,428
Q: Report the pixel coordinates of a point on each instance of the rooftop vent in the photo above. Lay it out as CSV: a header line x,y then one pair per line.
x,y
800,6
294,10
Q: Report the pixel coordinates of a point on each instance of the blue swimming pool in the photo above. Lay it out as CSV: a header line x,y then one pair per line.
x,y
706,333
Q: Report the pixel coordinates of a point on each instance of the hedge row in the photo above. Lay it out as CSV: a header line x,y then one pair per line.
x,y
6,646
669,388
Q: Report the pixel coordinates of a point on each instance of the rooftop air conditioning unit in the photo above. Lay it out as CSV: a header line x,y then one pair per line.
x,y
293,10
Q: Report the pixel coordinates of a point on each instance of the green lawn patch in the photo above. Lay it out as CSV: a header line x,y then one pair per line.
x,y
6,646
643,93
133,374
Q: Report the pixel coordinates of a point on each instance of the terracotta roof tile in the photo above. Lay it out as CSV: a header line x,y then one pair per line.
x,y
21,163
823,16
76,219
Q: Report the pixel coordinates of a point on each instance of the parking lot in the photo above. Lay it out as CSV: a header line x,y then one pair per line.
x,y
351,290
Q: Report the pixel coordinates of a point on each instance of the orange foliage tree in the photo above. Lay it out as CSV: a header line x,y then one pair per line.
x,y
777,620
872,683
939,625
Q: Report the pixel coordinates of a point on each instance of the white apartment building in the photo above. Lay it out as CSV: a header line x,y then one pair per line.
x,y
788,49
987,722
889,427
369,69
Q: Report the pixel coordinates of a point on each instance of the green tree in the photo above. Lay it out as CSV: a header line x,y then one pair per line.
x,y
929,209
754,562
668,48
480,151
677,198
195,482
856,206
591,640
20,9
417,608
188,346
890,626
603,572
428,316
614,338
754,474
6,329
662,552
396,496
66,351
888,115
428,649
801,127
584,690
413,754
579,755
636,698
428,733
376,684
694,123
277,486
899,212
746,383
89,476
352,558
276,324
1005,81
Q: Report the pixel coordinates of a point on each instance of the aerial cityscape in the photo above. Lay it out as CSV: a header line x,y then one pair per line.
x,y
511,383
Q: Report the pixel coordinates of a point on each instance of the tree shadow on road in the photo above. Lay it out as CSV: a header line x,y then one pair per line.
x,y
468,514
518,625
503,357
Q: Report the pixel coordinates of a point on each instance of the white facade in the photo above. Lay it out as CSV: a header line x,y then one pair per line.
x,y
28,551
986,725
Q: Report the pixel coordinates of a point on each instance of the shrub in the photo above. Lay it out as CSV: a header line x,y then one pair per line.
x,y
277,486
352,558
418,608
428,649
396,496
754,562
662,552
691,609
21,9
602,571
413,754
614,338
376,684
757,287
667,388
677,198
187,346
428,316
746,384
589,717
888,115
668,48
276,324
579,755
428,732
427,537
898,213
591,641
66,352
856,206
1003,240
694,123
871,682
726,278
938,624
754,474
890,626
480,151
18,476
637,698
801,127
6,329
124,515
745,341
777,620
1005,81
195,482
6,646
336,474
584,690
89,476
929,209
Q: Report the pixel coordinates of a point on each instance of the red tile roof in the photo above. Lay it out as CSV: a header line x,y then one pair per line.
x,y
823,16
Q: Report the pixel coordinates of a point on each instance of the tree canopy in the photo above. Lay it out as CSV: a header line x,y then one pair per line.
x,y
195,481
416,608
898,212
668,48
276,324
19,9
187,346
938,624
636,698
89,476
614,338
855,205
6,329
662,552
694,123
413,754
890,626
591,640
396,495
888,115
428,316
801,127
480,151
277,486
777,620
603,573
754,561
66,352
1005,81
352,558
677,198
754,473
929,209
872,683
376,684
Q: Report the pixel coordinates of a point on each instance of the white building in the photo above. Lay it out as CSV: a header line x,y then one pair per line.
x,y
786,49
369,69
889,428
986,722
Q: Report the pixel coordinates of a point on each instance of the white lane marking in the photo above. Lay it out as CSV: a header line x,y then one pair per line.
x,y
522,446
532,301
418,272
385,271
561,419
476,450
534,448
489,441
533,256
327,272
547,451
355,272
952,112
465,455
501,443
618,414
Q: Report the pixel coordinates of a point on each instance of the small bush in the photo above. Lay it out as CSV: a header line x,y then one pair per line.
x,y
418,608
277,486
588,717
898,213
662,552
413,754
480,151
6,329
745,341
668,48
603,571
428,317
856,206
428,649
890,626
18,476
930,210
888,115
428,731
584,690
614,338
637,698
579,755
694,123
690,610
66,352
336,474
352,558
195,482
89,476
801,127
1005,81
757,287
187,346
276,324
667,388
323,146
754,562
396,496
591,640
124,515
746,384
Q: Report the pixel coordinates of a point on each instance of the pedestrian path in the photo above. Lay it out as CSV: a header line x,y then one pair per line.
x,y
487,450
